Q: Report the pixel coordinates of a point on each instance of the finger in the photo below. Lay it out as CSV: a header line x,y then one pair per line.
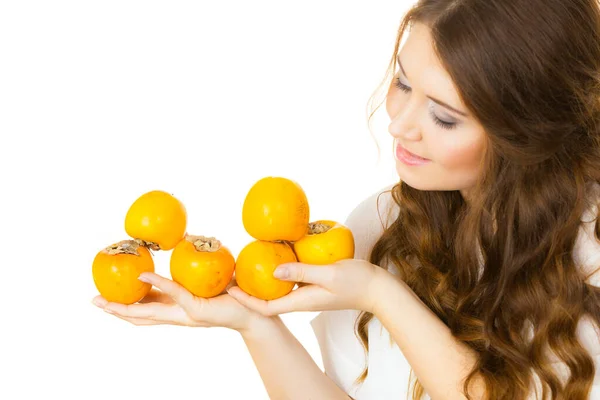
x,y
157,296
306,273
173,289
150,311
154,296
139,321
307,298
99,301
231,283
246,300
177,316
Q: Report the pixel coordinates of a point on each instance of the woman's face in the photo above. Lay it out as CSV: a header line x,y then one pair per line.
x,y
437,144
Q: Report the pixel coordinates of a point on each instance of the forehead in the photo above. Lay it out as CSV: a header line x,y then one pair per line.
x,y
423,68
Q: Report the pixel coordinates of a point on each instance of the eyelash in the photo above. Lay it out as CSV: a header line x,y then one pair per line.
x,y
438,122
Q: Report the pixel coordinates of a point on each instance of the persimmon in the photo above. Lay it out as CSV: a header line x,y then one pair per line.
x,y
276,209
158,219
116,269
255,265
202,265
326,242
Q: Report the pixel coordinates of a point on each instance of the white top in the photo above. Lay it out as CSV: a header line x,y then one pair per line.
x,y
389,371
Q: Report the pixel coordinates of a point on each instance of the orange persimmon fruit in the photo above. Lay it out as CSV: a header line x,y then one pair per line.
x,y
158,219
255,265
276,209
116,269
326,242
202,265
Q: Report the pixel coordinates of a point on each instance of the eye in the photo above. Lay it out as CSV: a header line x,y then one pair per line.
x,y
402,86
439,122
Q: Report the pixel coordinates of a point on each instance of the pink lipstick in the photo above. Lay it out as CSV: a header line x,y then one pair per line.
x,y
409,158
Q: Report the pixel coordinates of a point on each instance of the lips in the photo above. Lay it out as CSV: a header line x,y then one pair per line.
x,y
409,158
414,155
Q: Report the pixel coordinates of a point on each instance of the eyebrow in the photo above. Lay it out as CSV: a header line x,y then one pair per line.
x,y
433,98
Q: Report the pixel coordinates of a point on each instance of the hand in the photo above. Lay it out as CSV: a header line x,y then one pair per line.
x,y
345,284
174,305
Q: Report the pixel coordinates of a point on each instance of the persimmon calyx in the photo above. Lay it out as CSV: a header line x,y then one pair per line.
x,y
204,243
123,247
315,228
148,245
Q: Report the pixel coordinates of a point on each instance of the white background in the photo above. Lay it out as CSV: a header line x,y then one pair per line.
x,y
101,101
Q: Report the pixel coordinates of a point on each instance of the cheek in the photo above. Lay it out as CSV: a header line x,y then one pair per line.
x,y
460,155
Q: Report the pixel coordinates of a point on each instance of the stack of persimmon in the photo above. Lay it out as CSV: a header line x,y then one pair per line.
x,y
158,221
276,214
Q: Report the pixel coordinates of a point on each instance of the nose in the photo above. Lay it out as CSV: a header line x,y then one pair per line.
x,y
404,124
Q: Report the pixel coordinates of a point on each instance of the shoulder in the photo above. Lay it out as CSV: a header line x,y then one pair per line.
x,y
375,204
369,219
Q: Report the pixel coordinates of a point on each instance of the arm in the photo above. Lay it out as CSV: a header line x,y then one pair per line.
x,y
440,361
286,368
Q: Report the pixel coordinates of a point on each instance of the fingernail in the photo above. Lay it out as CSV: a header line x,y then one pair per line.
x,y
281,272
144,278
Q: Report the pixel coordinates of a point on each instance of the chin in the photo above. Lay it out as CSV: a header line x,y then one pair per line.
x,y
419,185
421,182
415,180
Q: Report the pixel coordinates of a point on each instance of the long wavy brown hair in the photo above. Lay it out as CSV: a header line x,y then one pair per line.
x,y
492,268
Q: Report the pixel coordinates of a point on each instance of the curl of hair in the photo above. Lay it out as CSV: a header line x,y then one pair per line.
x,y
501,265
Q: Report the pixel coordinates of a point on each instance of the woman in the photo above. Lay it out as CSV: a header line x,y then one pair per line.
x,y
478,271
